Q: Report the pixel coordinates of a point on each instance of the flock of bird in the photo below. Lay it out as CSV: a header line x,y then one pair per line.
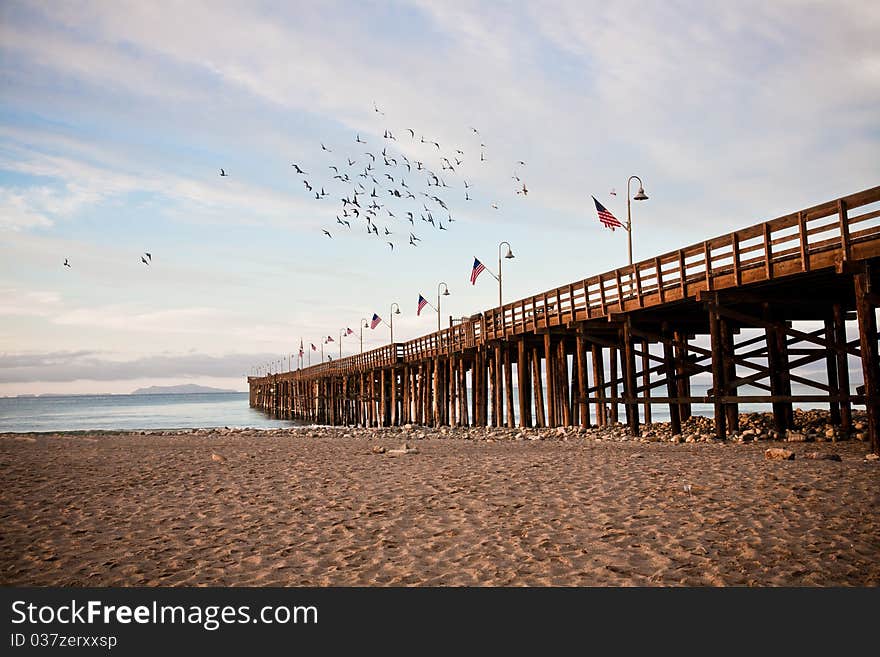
x,y
386,189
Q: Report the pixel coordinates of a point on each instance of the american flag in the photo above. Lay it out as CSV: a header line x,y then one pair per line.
x,y
300,348
329,339
607,219
375,322
422,303
314,348
476,271
348,331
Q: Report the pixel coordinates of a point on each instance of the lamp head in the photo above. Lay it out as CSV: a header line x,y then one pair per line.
x,y
640,195
509,254
446,292
397,311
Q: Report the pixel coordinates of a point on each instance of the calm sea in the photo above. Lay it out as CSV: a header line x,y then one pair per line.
x,y
221,409
81,412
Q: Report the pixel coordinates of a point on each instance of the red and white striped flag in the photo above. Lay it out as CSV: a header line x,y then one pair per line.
x,y
422,303
607,219
476,271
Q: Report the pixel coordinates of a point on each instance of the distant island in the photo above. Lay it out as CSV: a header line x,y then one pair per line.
x,y
185,389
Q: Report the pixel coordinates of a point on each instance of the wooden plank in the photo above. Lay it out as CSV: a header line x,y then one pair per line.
x,y
838,318
717,373
522,373
599,383
581,365
537,388
629,380
508,387
865,312
845,246
550,375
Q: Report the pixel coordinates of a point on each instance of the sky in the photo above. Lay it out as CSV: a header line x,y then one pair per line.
x,y
116,118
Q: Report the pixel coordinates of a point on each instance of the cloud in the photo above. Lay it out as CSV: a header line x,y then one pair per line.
x,y
92,365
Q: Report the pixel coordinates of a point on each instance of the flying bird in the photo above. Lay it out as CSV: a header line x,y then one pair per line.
x,y
144,260
295,166
324,148
66,264
149,257
359,140
308,186
223,173
327,233
523,191
376,108
412,133
475,131
391,245
495,206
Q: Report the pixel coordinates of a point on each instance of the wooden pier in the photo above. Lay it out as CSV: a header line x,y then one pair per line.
x,y
635,337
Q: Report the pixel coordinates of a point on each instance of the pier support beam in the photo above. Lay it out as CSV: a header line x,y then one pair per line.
x,y
629,379
839,321
718,372
865,310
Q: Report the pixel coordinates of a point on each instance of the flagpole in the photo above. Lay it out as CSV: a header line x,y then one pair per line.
x,y
340,342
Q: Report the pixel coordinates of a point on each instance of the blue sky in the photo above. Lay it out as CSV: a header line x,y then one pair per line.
x,y
116,117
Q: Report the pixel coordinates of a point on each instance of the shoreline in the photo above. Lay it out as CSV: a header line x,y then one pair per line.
x,y
417,506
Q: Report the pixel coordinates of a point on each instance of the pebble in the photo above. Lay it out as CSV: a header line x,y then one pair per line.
x,y
779,454
819,456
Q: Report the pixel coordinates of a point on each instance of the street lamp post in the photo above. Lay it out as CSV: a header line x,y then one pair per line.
x,y
507,257
640,196
445,294
363,326
341,331
392,312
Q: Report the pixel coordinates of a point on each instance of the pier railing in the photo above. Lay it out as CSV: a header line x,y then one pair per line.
x,y
826,235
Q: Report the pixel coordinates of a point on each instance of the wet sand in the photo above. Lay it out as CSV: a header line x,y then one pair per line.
x,y
318,507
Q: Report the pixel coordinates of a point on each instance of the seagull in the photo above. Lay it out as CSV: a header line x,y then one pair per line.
x,y
482,157
520,162
359,140
466,186
387,232
412,237
412,133
412,241
441,225
327,233
223,173
376,108
334,168
66,264
466,197
295,166
324,148
523,191
391,245
371,155
144,260
149,257
308,186
475,131
495,205
612,192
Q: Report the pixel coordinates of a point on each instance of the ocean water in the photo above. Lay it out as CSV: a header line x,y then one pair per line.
x,y
131,412
205,410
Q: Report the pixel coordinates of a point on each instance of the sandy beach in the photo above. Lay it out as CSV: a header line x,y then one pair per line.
x,y
465,507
